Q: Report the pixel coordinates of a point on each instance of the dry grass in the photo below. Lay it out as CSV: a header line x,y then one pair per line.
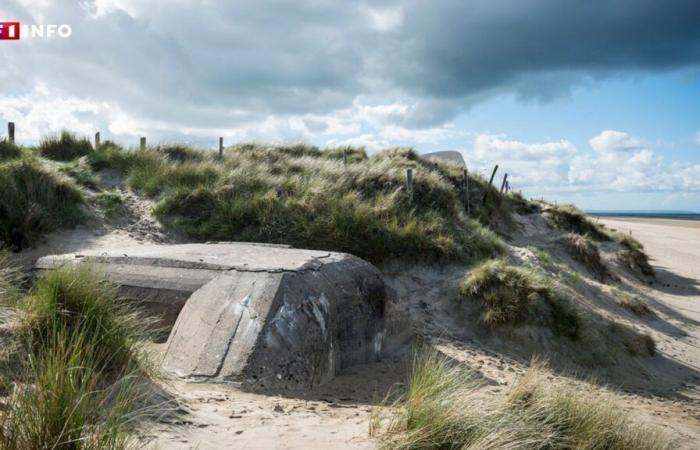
x,y
443,408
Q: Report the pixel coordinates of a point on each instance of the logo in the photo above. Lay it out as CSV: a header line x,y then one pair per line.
x,y
9,31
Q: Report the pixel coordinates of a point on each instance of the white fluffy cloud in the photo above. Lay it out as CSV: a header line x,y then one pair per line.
x,y
618,163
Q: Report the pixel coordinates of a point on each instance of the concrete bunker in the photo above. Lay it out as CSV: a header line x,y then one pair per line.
x,y
262,315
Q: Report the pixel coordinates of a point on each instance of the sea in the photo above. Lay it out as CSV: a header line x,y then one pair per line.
x,y
684,215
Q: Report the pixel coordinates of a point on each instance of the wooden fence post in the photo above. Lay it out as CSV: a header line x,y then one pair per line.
x,y
503,184
11,132
221,148
97,140
486,192
143,143
466,190
345,157
409,183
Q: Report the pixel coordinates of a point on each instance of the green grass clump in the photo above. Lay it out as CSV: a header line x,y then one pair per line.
x,y
85,374
542,255
82,173
306,197
521,205
8,150
64,147
513,295
443,408
109,202
571,219
180,153
34,201
111,156
633,255
584,250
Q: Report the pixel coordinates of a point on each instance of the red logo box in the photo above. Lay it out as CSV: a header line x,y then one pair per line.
x,y
9,31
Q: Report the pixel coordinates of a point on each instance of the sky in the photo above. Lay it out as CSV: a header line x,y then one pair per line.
x,y
591,102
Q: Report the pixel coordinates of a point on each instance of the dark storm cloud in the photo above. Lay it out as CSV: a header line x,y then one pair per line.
x,y
456,48
222,63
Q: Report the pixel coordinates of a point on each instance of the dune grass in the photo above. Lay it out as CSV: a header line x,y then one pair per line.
x,y
34,201
308,198
444,409
512,295
521,205
9,150
569,218
110,203
85,375
632,254
634,304
585,250
64,147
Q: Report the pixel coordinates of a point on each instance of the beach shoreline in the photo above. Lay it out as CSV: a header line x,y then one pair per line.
x,y
651,221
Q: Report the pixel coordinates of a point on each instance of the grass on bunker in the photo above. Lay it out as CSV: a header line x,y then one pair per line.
x,y
309,198
443,409
34,201
84,377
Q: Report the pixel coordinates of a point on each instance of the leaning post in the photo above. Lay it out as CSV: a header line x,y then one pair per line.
x,y
409,183
97,140
11,132
486,192
503,184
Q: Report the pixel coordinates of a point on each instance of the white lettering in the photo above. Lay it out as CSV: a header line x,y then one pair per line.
x,y
65,31
37,31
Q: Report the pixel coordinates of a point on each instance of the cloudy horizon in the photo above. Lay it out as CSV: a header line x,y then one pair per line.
x,y
606,115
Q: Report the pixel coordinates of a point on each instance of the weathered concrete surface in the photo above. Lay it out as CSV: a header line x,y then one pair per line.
x,y
450,156
262,315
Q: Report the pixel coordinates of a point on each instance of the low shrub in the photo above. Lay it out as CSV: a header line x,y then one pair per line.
x,y
64,147
34,201
443,408
512,294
